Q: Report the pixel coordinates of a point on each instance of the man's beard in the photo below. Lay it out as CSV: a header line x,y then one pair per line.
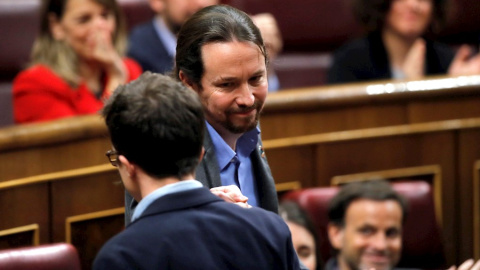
x,y
361,266
238,129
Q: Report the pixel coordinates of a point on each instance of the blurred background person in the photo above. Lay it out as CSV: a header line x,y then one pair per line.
x,y
304,237
397,44
153,44
76,61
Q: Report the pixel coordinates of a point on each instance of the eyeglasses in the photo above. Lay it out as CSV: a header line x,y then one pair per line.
x,y
112,156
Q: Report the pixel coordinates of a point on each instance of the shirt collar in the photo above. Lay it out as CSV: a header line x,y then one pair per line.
x,y
245,145
165,190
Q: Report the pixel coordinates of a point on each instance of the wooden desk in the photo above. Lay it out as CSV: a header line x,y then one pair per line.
x,y
70,143
323,109
319,133
452,145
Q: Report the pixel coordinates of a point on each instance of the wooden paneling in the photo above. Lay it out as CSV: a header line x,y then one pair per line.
x,y
320,120
352,106
89,232
310,135
21,206
70,143
20,237
297,167
49,199
476,209
436,109
468,154
84,194
450,145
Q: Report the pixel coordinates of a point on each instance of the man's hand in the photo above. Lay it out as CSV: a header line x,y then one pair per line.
x,y
231,194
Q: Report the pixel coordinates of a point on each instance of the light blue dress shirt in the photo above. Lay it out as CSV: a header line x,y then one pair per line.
x,y
236,167
168,38
183,185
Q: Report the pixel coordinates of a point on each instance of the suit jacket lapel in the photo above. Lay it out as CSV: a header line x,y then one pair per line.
x,y
264,179
207,171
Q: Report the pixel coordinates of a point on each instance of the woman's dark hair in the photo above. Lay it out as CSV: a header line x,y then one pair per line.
x,y
292,212
372,14
218,23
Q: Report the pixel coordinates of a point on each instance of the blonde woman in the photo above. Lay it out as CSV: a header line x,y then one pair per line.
x,y
76,61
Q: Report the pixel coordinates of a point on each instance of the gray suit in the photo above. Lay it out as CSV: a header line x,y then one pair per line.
x,y
208,174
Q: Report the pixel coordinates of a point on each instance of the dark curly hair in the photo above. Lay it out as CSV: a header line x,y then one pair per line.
x,y
372,14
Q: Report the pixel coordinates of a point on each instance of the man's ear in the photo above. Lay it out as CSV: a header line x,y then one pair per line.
x,y
129,167
157,6
186,81
55,27
202,154
335,235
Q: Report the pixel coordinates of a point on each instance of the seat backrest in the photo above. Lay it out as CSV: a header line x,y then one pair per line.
x,y
422,242
136,12
59,256
6,104
19,22
308,25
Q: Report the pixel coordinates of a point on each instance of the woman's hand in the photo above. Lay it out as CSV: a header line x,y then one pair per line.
x,y
464,64
105,54
414,64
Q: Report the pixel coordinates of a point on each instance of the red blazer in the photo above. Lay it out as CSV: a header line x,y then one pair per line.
x,y
39,95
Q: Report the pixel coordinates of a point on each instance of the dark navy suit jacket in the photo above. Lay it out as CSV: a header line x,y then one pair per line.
x,y
194,229
148,50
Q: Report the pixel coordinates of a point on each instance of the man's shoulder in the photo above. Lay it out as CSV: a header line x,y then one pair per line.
x,y
259,217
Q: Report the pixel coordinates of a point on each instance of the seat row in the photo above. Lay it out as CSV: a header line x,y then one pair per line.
x,y
311,30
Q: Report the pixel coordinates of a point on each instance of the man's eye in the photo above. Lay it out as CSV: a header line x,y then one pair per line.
x,y
226,85
83,19
393,233
256,79
304,252
366,231
106,14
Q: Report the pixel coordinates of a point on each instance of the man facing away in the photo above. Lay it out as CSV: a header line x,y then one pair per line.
x,y
366,221
221,55
156,126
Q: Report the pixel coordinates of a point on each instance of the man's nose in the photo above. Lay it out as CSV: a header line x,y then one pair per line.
x,y
245,96
379,241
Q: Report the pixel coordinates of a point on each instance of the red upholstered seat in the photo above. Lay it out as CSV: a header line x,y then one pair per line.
x,y
59,256
422,242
